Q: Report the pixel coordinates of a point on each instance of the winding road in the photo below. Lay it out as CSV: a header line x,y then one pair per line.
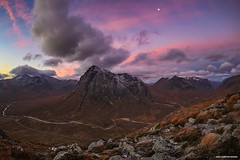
x,y
5,109
75,122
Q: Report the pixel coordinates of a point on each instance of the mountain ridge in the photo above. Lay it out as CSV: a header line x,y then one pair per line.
x,y
32,86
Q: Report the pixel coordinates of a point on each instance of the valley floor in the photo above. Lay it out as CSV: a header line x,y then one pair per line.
x,y
208,130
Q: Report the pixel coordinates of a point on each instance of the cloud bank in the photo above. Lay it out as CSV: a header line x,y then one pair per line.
x,y
175,54
2,76
72,38
25,69
30,56
52,62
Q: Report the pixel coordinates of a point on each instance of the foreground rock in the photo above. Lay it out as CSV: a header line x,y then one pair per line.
x,y
202,132
212,131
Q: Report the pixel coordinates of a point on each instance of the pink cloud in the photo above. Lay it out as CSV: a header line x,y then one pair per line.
x,y
22,11
22,42
63,70
5,5
112,15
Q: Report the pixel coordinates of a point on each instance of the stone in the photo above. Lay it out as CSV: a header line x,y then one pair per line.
x,y
154,128
227,129
173,142
238,101
96,144
166,130
191,120
187,124
74,148
162,156
160,146
236,132
145,143
236,106
145,151
126,148
60,155
118,157
58,149
212,121
125,139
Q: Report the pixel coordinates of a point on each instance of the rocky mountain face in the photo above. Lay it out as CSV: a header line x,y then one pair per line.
x,y
190,83
104,95
27,86
99,84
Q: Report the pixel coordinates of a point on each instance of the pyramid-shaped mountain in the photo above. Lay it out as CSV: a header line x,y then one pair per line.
x,y
101,95
102,85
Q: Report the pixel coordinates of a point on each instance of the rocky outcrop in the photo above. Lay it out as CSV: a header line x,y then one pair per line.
x,y
206,131
99,84
101,96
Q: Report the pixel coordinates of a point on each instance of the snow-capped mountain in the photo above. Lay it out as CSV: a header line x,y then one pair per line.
x,y
101,95
100,84
26,86
182,90
188,83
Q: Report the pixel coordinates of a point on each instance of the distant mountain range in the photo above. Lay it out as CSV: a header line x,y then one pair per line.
x,y
189,83
100,104
191,90
27,86
100,85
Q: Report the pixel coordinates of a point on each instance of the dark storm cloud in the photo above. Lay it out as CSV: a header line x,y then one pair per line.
x,y
116,56
2,76
142,38
65,36
25,69
175,55
215,57
142,57
29,57
37,56
52,62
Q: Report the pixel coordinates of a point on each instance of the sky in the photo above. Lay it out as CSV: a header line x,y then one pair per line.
x,y
148,39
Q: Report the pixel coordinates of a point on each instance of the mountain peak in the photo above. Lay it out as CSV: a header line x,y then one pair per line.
x,y
96,69
177,82
175,77
98,83
93,67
